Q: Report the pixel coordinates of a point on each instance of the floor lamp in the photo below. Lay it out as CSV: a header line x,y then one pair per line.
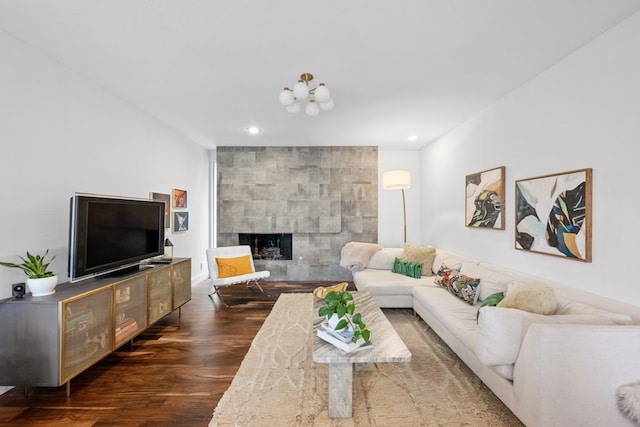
x,y
398,180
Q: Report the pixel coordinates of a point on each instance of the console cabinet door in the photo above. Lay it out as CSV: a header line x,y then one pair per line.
x,y
181,277
130,308
87,324
160,293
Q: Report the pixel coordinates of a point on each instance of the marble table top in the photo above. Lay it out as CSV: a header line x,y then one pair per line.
x,y
387,344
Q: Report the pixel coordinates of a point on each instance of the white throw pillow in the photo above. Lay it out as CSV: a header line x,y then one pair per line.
x,y
384,258
502,330
490,281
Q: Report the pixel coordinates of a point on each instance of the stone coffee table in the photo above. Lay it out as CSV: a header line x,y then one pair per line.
x,y
387,347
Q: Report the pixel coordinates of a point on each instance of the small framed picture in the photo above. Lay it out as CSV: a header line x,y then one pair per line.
x,y
180,221
484,199
166,198
179,198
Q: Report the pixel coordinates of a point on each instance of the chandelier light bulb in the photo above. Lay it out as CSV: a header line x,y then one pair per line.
x,y
286,97
326,105
322,93
312,108
300,90
293,108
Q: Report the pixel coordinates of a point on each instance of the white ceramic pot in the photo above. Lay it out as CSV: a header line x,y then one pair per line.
x,y
43,286
334,320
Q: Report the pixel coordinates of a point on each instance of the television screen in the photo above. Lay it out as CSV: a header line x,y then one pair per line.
x,y
111,233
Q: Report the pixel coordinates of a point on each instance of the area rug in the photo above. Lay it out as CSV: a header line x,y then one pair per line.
x,y
279,384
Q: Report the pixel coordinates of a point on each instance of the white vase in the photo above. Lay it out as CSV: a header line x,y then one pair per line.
x,y
43,286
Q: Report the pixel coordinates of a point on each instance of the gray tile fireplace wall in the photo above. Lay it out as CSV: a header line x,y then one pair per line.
x,y
324,196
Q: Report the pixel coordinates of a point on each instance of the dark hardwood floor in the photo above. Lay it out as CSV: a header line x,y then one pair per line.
x,y
173,374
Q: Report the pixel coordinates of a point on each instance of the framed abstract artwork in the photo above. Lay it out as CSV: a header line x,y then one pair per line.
x,y
179,198
166,198
553,214
180,221
484,199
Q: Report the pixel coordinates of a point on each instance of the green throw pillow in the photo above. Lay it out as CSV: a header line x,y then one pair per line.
x,y
407,268
491,300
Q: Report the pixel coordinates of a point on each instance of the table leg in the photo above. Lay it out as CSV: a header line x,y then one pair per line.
x,y
340,390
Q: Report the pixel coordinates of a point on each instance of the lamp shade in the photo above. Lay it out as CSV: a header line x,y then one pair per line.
x,y
396,179
322,93
300,90
293,108
326,105
286,97
312,109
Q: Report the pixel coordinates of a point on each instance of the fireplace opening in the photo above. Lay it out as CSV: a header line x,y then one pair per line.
x,y
274,246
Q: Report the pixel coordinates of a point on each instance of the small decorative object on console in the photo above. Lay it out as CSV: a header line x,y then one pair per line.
x,y
40,280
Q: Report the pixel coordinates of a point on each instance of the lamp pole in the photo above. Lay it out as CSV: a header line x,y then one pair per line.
x,y
404,212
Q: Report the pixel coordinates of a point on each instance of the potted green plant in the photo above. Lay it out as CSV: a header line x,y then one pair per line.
x,y
40,280
339,305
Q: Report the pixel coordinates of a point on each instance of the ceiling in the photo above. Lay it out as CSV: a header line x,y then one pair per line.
x,y
210,69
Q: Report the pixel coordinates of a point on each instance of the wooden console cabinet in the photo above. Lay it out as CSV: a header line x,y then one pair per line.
x,y
47,341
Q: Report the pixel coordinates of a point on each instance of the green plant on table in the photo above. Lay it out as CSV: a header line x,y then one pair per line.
x,y
341,304
34,267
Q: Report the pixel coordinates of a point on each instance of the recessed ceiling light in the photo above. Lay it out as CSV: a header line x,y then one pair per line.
x,y
253,130
412,138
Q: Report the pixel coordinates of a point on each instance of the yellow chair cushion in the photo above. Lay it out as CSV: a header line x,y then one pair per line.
x,y
229,267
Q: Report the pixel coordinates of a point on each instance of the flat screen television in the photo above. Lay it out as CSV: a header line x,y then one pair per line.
x,y
108,234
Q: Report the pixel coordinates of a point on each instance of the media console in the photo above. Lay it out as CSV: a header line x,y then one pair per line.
x,y
47,341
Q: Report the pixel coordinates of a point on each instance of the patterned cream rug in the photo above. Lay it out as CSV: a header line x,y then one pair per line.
x,y
278,383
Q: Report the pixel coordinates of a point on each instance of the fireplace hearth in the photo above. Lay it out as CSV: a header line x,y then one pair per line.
x,y
268,246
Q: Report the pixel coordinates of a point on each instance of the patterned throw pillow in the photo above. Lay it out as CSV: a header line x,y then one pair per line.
x,y
444,276
424,255
465,288
407,268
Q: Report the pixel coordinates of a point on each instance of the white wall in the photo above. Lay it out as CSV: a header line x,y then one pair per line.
x,y
390,218
62,134
584,112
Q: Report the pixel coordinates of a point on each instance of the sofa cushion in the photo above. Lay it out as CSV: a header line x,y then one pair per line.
x,y
490,281
384,282
465,288
501,331
384,258
459,317
407,268
566,306
423,255
534,299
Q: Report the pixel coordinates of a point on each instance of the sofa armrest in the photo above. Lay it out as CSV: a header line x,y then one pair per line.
x,y
568,374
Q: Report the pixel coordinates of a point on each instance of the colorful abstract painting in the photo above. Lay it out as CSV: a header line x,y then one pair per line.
x,y
553,215
179,198
484,199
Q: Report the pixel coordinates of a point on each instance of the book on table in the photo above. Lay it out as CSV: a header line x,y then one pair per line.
x,y
342,339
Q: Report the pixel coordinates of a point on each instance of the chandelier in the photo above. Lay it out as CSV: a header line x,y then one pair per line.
x,y
317,98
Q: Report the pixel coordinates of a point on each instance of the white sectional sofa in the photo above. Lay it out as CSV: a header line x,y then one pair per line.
x,y
554,370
